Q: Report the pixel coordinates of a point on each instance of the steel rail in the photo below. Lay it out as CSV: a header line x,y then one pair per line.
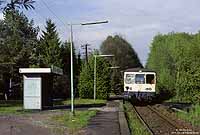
x,y
143,121
171,122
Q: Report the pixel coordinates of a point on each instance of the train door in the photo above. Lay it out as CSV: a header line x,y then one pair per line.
x,y
150,83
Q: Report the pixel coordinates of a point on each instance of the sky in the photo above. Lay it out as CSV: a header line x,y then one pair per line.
x,y
138,21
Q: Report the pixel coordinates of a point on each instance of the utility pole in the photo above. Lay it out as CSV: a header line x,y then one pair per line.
x,y
86,51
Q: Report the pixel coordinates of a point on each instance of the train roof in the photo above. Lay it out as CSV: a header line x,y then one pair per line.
x,y
138,70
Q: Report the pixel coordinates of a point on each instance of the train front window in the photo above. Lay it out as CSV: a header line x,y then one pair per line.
x,y
139,79
150,79
129,79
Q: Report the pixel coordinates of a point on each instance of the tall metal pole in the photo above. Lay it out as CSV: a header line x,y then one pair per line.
x,y
95,65
72,80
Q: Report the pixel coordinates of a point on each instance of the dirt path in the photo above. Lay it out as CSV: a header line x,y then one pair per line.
x,y
31,124
15,126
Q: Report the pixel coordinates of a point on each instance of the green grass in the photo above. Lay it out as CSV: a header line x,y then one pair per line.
x,y
76,122
192,116
16,107
10,110
10,107
13,107
10,103
79,101
136,127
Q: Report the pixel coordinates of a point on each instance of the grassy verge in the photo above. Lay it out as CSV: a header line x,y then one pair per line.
x,y
61,120
79,101
192,116
73,123
10,107
16,107
10,103
136,127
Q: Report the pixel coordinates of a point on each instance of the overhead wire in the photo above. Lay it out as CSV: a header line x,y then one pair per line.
x,y
46,5
58,18
42,17
77,40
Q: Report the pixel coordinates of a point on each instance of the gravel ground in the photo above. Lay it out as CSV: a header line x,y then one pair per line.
x,y
30,124
170,114
156,123
106,122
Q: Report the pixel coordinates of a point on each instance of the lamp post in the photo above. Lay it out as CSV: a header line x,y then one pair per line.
x,y
95,68
71,50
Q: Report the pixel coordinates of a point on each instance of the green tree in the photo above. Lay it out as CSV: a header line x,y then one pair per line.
x,y
65,54
18,38
175,57
49,48
66,60
86,82
79,63
124,57
16,4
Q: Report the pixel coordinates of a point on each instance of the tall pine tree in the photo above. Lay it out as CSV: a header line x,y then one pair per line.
x,y
18,38
66,60
49,48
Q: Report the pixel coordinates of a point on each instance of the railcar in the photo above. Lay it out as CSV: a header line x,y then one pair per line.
x,y
139,84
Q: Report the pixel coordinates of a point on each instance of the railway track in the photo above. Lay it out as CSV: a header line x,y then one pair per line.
x,y
156,123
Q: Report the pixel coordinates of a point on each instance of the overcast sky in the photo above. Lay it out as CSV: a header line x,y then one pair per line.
x,y
138,21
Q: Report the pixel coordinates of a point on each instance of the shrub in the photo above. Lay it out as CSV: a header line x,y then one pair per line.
x,y
86,83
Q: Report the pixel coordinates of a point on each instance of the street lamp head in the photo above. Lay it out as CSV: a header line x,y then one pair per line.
x,y
116,67
92,23
105,55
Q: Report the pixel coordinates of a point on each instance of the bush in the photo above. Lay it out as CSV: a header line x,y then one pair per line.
x,y
86,83
176,58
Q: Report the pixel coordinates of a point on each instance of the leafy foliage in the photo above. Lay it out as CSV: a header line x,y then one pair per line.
x,y
124,57
18,37
19,47
66,62
16,4
86,83
49,48
176,58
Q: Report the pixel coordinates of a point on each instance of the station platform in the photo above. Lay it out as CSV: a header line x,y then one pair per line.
x,y
110,120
